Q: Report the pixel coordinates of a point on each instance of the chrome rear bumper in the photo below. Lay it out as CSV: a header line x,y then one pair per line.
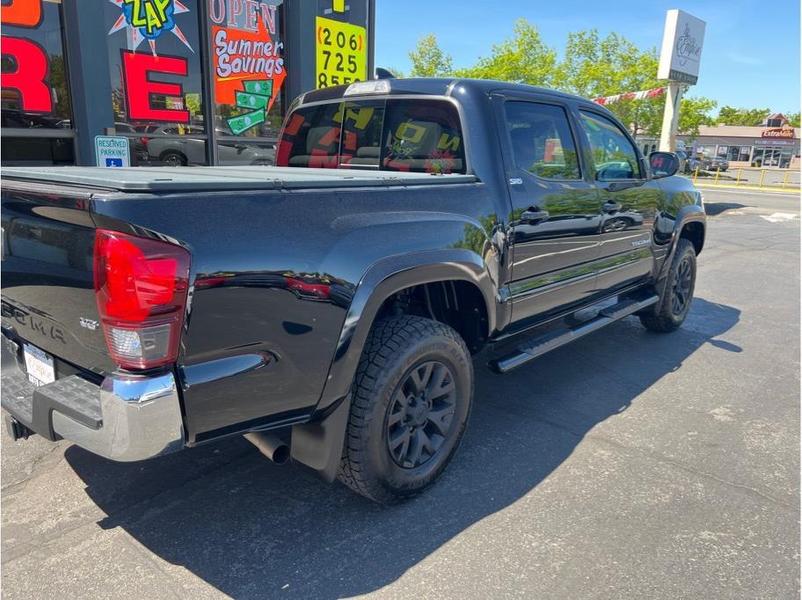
x,y
126,418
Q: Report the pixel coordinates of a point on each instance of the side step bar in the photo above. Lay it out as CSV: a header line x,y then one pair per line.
x,y
540,345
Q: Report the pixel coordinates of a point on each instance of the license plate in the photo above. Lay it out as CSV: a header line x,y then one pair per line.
x,y
39,365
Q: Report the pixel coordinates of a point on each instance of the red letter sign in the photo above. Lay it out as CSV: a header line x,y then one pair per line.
x,y
139,88
22,13
29,75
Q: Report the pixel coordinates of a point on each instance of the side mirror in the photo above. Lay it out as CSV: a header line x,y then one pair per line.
x,y
663,164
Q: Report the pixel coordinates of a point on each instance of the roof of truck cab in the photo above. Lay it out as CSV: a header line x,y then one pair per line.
x,y
175,179
439,86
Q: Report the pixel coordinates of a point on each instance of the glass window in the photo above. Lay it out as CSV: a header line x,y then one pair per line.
x,y
423,136
154,63
243,152
541,139
312,137
722,151
35,84
400,135
362,134
248,70
33,151
744,154
614,156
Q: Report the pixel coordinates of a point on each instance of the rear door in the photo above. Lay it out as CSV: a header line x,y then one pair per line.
x,y
629,202
555,209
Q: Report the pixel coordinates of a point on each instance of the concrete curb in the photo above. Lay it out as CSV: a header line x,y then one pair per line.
x,y
748,188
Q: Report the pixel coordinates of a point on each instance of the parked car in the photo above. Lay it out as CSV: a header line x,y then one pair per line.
x,y
716,163
331,315
186,150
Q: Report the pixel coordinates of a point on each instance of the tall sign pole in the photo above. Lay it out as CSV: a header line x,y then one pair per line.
x,y
680,56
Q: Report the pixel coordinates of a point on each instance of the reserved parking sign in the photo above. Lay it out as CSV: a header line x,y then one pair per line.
x,y
111,151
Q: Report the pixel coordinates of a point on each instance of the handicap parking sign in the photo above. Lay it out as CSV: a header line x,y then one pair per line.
x,y
111,151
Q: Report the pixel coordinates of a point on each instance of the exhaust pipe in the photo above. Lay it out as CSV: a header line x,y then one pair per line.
x,y
269,445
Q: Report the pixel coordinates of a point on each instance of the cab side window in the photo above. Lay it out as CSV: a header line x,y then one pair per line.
x,y
541,139
614,156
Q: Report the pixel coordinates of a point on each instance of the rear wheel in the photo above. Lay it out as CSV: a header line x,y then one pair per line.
x,y
411,400
171,158
671,310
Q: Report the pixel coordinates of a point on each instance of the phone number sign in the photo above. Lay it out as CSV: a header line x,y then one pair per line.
x,y
342,53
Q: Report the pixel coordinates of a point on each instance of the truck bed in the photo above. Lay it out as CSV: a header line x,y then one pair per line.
x,y
183,179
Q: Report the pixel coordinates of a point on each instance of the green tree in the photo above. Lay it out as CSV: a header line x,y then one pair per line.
x,y
793,119
429,60
593,66
590,66
729,115
694,112
524,58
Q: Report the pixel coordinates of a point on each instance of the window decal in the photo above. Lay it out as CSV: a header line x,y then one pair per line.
x,y
248,61
147,20
22,13
139,88
30,73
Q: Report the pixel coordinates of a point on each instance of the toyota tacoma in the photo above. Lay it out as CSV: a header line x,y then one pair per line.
x,y
329,308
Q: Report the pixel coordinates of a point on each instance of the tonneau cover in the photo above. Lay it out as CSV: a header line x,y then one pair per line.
x,y
175,179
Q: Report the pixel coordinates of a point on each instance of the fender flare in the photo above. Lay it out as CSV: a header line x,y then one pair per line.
x,y
691,213
318,444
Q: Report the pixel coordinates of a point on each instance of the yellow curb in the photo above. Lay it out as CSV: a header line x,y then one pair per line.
x,y
749,188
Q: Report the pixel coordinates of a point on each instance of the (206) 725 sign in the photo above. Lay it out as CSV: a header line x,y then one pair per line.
x,y
342,52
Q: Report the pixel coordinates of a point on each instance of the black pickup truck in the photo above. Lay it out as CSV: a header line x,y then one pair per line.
x,y
328,308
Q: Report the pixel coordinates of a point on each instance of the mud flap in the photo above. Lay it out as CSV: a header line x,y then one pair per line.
x,y
319,445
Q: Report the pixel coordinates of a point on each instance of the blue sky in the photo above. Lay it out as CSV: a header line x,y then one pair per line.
x,y
750,56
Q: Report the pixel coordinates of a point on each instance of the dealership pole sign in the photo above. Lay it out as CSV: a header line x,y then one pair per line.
x,y
681,52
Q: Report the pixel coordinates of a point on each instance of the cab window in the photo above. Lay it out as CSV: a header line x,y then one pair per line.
x,y
614,156
423,136
541,140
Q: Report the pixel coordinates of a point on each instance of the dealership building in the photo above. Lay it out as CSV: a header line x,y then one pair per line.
x,y
773,144
193,82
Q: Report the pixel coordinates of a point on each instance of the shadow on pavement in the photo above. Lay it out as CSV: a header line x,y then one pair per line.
x,y
253,529
716,208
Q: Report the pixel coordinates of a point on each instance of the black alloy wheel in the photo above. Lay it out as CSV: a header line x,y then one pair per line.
x,y
421,414
410,404
683,286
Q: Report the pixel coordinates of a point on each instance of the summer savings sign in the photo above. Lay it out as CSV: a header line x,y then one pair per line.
x,y
247,57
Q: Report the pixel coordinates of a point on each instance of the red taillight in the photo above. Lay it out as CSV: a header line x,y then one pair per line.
x,y
141,291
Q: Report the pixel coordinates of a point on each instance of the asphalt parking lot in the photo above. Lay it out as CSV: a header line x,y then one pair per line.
x,y
626,465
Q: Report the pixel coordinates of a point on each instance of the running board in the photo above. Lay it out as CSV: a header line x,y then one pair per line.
x,y
548,342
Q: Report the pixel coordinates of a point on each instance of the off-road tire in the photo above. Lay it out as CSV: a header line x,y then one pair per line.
x,y
395,348
664,317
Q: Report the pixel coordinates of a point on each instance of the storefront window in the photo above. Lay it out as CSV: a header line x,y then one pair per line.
x,y
744,153
248,74
35,94
154,54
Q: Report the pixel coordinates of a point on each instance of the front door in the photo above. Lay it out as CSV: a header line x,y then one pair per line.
x,y
629,203
556,211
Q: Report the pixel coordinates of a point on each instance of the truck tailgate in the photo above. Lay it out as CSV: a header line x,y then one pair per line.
x,y
48,298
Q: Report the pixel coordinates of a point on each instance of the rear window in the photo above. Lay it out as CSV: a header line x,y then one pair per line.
x,y
422,136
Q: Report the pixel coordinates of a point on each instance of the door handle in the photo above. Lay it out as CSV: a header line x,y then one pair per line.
x,y
611,207
534,215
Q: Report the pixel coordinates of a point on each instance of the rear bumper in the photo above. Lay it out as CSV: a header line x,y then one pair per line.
x,y
126,418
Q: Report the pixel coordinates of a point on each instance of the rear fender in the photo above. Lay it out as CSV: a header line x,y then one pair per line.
x,y
319,444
